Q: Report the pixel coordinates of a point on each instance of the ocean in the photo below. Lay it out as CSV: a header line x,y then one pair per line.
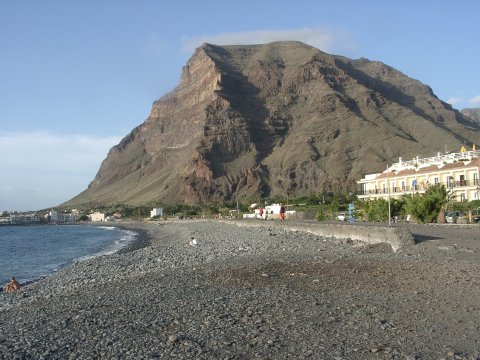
x,y
32,252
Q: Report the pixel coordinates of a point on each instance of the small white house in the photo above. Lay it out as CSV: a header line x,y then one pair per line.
x,y
96,216
271,211
156,212
268,212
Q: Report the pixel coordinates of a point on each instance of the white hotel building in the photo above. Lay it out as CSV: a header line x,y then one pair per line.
x,y
459,172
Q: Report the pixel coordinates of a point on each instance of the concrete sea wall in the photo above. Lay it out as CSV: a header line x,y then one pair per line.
x,y
397,237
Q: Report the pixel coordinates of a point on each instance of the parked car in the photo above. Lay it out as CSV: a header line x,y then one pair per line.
x,y
451,217
476,215
343,216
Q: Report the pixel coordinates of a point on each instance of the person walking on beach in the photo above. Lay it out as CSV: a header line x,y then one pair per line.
x,y
260,211
282,212
12,285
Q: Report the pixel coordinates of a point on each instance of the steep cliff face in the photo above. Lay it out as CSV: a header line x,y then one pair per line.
x,y
276,119
473,114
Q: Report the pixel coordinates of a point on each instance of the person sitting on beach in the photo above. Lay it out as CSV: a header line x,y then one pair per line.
x,y
193,241
12,285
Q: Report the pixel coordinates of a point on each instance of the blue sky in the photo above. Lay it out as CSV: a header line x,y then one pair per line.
x,y
77,76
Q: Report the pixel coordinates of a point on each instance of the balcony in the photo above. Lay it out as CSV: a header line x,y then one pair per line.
x,y
395,190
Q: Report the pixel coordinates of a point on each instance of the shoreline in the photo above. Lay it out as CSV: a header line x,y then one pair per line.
x,y
140,240
260,292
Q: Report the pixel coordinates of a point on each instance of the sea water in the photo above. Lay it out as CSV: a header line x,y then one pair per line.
x,y
31,252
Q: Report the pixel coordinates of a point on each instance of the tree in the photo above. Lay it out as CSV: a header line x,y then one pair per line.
x,y
377,210
427,207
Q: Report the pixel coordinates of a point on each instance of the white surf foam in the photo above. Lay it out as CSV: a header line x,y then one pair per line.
x,y
126,238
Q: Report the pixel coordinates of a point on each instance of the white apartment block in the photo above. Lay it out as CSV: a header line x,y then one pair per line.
x,y
24,218
60,218
459,172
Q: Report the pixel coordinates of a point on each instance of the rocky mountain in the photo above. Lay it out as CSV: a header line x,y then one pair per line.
x,y
472,113
280,119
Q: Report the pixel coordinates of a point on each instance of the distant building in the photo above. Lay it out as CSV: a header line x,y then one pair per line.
x,y
76,212
156,212
268,212
96,216
55,217
273,211
459,172
52,216
67,218
26,218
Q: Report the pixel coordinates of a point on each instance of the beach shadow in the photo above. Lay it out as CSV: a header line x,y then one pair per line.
x,y
422,238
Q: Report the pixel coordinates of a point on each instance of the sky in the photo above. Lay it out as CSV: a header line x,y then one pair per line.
x,y
78,76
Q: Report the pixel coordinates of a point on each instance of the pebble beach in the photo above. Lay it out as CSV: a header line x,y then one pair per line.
x,y
259,292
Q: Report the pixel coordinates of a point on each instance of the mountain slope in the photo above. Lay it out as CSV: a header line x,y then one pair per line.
x,y
472,113
275,119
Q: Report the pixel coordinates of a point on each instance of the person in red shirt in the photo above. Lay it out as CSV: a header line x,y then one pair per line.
x,y
282,212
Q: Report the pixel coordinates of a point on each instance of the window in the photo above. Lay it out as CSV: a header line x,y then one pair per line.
x,y
450,181
462,197
475,178
436,181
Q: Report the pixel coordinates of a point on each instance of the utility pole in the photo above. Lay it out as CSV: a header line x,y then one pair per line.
x,y
323,206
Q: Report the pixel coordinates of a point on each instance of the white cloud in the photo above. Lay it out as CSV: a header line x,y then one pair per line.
x,y
454,101
323,39
475,100
41,169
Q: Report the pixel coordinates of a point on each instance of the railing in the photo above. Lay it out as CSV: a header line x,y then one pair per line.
x,y
418,188
436,160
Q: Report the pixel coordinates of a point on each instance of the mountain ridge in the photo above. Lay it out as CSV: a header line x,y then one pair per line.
x,y
279,119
